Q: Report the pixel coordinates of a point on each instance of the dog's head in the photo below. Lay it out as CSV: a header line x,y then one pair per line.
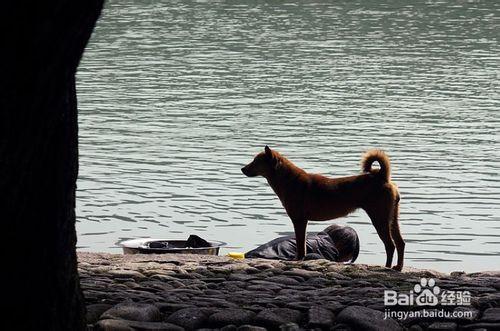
x,y
263,164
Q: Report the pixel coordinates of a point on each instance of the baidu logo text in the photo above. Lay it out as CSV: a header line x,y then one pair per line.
x,y
427,293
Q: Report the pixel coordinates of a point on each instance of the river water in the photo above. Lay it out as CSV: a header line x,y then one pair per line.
x,y
175,96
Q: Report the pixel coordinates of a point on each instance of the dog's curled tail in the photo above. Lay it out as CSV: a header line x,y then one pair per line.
x,y
382,159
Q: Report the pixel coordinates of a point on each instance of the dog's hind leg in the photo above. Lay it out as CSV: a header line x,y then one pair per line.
x,y
381,217
398,238
299,227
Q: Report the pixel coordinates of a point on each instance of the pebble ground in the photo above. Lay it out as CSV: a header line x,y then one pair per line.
x,y
197,292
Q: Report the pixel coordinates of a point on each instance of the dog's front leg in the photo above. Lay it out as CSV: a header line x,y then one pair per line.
x,y
299,227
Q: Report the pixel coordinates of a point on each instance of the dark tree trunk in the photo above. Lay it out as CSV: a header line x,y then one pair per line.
x,y
40,47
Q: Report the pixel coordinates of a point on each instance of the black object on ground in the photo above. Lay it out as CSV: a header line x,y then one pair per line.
x,y
193,245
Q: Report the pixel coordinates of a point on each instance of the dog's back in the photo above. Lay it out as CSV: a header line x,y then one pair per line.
x,y
319,198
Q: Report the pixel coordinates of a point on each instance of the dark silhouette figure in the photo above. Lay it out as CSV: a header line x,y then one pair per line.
x,y
335,243
41,45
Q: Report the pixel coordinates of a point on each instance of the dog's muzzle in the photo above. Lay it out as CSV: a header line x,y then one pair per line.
x,y
244,171
247,172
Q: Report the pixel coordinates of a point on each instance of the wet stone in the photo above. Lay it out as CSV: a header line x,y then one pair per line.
x,y
124,274
283,280
214,280
481,326
231,316
235,283
442,326
216,302
113,325
264,282
247,327
264,288
476,289
302,306
362,318
153,286
297,278
302,273
182,275
119,325
290,327
376,306
252,270
154,326
176,283
95,311
162,277
133,311
172,306
211,292
263,302
130,285
233,286
189,318
343,283
316,282
264,266
241,277
184,291
340,327
274,317
302,288
141,295
491,315
319,317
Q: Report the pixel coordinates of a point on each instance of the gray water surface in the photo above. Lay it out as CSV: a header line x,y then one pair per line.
x,y
176,96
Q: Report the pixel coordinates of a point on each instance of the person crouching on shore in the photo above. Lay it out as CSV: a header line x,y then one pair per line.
x,y
335,243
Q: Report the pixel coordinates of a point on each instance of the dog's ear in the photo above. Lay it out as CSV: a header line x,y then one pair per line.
x,y
268,151
275,161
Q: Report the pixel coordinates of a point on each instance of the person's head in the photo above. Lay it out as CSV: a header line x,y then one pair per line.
x,y
345,240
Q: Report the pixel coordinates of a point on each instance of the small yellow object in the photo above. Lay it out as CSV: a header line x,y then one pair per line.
x,y
236,255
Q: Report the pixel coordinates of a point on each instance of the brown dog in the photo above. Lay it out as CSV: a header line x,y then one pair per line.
x,y
312,197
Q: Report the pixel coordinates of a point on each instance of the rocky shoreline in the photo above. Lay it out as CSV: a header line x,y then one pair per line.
x,y
196,292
